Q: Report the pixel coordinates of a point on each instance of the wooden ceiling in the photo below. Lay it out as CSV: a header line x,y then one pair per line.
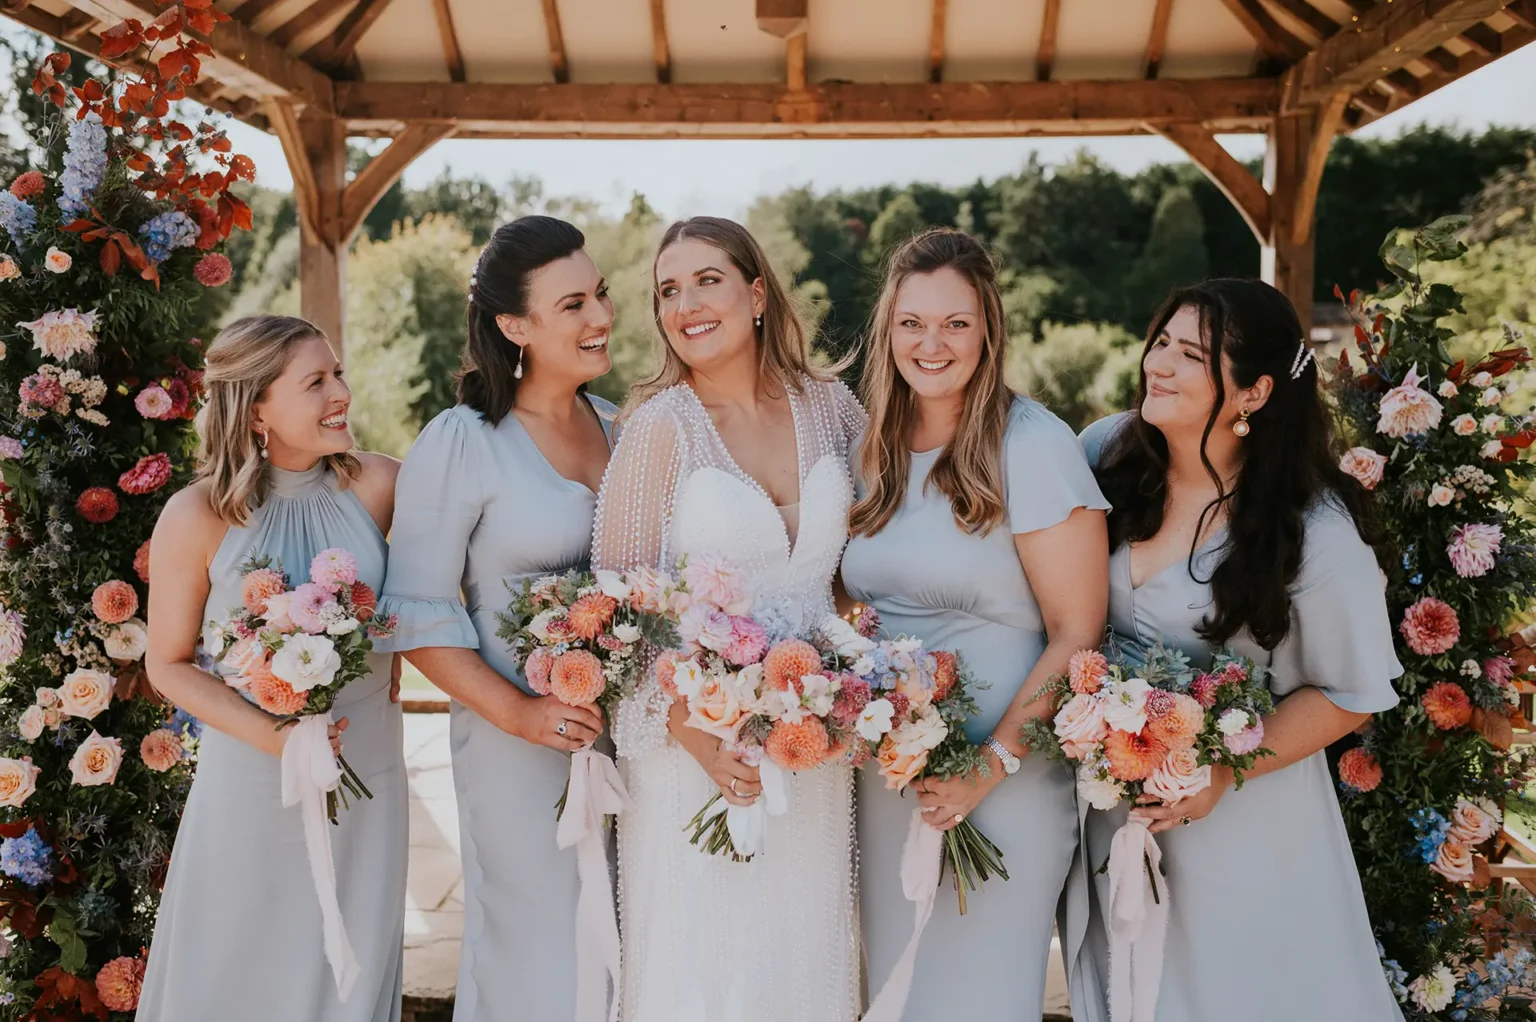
x,y
823,68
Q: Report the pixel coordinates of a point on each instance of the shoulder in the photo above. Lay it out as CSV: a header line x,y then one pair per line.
x,y
1331,544
378,473
451,428
1033,428
605,409
1098,434
189,517
660,413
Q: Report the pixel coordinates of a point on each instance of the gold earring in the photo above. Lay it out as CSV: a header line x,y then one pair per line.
x,y
1241,427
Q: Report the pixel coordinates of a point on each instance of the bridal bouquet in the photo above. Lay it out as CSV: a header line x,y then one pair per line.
x,y
1155,728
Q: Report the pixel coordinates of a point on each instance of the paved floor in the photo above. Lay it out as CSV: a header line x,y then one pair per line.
x,y
434,919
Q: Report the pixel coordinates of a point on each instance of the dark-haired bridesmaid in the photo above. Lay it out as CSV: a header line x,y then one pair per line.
x,y
500,488
1234,525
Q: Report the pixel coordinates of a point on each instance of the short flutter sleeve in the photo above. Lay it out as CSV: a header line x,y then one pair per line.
x,y
1341,637
438,501
1096,436
1048,477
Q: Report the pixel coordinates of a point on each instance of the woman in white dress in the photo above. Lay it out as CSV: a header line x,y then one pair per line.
x,y
737,448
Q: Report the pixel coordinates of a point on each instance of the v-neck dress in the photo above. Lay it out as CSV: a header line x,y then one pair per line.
x,y
479,508
1267,920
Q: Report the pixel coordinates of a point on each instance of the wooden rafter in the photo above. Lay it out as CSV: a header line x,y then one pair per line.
x,y
1242,189
1157,39
783,18
1481,39
559,65
1522,12
341,46
77,24
1442,60
663,52
1045,55
1329,115
306,20
1274,42
936,41
285,125
1512,39
384,170
452,56
249,11
1318,23
794,61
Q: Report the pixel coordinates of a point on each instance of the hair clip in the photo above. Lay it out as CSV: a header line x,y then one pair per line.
x,y
1300,362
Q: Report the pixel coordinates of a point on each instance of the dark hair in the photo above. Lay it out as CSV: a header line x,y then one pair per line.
x,y
1289,461
499,287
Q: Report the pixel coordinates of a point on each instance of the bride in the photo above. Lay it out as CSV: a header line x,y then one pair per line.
x,y
737,448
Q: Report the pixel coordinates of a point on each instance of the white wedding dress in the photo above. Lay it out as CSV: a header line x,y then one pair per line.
x,y
706,939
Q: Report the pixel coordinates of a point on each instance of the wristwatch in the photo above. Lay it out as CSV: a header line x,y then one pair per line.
x,y
1009,760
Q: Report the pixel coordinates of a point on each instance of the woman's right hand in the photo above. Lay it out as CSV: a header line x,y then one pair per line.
x,y
541,718
739,783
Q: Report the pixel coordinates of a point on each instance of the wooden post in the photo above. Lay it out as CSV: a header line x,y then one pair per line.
x,y
323,248
1299,141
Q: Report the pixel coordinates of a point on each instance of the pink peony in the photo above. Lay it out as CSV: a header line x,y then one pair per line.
x,y
1408,408
1430,627
718,582
1359,771
152,472
536,670
63,333
213,270
120,982
1472,549
333,567
160,750
154,403
1246,740
96,761
1365,465
311,606
748,642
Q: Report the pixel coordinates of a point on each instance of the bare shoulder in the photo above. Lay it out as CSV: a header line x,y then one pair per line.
x,y
375,486
190,518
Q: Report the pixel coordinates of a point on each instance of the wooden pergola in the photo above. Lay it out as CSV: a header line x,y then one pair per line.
x,y
314,72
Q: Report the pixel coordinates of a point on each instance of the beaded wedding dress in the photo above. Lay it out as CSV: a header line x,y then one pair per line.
x,y
706,939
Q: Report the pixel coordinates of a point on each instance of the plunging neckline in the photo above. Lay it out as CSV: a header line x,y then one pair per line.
x,y
544,458
1219,534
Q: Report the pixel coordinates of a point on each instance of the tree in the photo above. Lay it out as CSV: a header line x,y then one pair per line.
x,y
1081,372
1173,257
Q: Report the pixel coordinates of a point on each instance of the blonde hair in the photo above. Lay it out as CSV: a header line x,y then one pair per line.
x,y
240,365
969,468
784,347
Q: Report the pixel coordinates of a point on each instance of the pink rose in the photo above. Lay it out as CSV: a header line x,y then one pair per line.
x,y
96,761
57,260
1080,725
1454,862
30,724
243,655
898,767
1471,825
719,582
18,780
1178,777
715,710
275,612
1365,465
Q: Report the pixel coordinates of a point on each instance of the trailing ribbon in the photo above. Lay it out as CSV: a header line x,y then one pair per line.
x,y
309,771
596,790
1138,923
749,824
922,862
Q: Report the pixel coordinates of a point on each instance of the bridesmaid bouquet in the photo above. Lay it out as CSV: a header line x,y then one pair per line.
x,y
291,650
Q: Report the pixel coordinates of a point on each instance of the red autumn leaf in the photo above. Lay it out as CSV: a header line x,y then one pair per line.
x,y
221,144
122,38
243,167
179,131
171,64
138,160
169,22
200,21
94,92
1454,373
76,226
242,212
96,234
1361,338
1338,292
111,258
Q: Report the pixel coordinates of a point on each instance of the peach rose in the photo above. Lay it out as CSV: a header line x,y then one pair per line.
x,y
1178,777
85,693
715,709
1080,725
57,260
96,761
897,769
30,723
18,780
1365,465
243,658
1454,862
1471,825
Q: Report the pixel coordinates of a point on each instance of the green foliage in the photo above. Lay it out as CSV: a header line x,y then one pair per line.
x,y
1082,372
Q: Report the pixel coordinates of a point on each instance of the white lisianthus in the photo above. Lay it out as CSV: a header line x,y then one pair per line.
x,y
1433,990
844,637
818,694
1100,792
626,633
214,638
127,641
785,705
306,661
875,719
346,626
1233,721
687,678
612,584
1125,704
920,735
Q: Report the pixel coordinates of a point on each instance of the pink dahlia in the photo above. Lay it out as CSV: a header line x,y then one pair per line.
x,y
43,392
97,505
154,403
160,750
141,562
333,566
152,472
1408,408
748,642
119,982
1204,690
536,669
1430,627
1359,771
1086,671
213,270
114,602
312,607
1472,549
1499,670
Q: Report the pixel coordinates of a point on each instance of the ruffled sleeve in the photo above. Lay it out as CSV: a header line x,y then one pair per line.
x,y
438,500
1048,476
1094,438
1341,637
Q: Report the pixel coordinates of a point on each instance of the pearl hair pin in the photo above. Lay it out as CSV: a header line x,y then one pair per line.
x,y
1303,358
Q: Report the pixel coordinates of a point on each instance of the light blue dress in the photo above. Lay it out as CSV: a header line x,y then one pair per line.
x,y
478,508
1267,920
238,937
968,593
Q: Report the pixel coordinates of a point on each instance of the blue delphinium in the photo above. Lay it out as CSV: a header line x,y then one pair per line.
x,y
1397,976
1430,830
1507,969
17,217
167,232
184,723
85,164
27,858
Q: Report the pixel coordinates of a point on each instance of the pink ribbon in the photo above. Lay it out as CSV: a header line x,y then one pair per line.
x,y
596,790
921,864
309,771
1138,923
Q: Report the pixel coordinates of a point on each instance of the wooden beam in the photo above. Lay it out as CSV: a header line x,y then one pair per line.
x,y
1386,37
794,61
1274,42
1373,101
249,11
1045,54
1323,129
559,66
894,110
1318,23
381,172
1481,39
285,125
1293,171
1157,39
1442,60
1512,39
316,150
783,18
306,20
340,48
1242,189
1403,83
77,24
1523,12
936,41
663,52
450,39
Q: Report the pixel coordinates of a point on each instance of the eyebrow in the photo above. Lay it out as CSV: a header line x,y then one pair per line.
x,y
697,273
947,315
582,294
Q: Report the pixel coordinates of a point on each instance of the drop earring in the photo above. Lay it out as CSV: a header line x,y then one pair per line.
x,y
517,374
759,321
1241,427
261,441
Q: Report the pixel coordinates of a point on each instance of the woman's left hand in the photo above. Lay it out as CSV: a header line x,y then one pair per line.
x,y
1186,810
946,803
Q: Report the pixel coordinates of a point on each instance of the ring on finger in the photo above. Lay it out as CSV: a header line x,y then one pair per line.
x,y
1185,820
560,729
733,788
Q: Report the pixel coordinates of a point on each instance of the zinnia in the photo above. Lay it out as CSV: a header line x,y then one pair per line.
x,y
97,505
1133,757
1408,408
119,983
1447,705
1472,549
590,614
576,678
788,662
1359,771
63,333
213,270
114,602
160,750
96,761
1086,670
1365,465
1430,627
799,746
152,472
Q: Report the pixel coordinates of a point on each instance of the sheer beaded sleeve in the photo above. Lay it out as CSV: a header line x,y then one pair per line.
x,y
634,514
850,414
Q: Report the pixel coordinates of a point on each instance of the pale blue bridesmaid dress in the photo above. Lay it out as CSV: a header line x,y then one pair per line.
x,y
1267,920
238,937
968,593
479,508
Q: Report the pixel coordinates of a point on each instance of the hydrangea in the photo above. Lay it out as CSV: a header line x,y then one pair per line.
x,y
27,858
85,164
167,232
18,218
1430,830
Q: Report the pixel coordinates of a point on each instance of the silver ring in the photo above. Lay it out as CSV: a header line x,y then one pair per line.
x,y
560,729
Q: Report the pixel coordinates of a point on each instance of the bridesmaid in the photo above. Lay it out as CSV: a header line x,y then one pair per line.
x,y
498,489
239,932
979,529
1234,524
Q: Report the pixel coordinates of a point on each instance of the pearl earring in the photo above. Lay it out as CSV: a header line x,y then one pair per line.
x,y
759,320
517,374
1241,427
261,441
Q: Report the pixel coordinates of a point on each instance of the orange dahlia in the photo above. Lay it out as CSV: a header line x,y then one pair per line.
x,y
97,505
788,662
1179,725
590,614
114,602
119,982
363,600
1447,705
141,562
946,671
27,184
1133,757
1359,770
1087,670
272,693
799,746
257,586
665,668
576,678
